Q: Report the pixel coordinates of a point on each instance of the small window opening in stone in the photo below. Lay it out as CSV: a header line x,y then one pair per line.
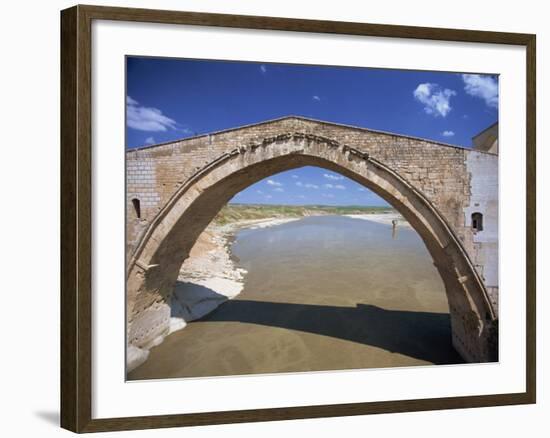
x,y
137,207
477,221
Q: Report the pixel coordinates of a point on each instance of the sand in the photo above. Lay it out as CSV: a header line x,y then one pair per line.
x,y
382,218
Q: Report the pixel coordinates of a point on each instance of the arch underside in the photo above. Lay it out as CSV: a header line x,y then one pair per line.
x,y
154,267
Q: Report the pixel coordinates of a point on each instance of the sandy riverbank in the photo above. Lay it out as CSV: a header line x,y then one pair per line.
x,y
206,279
382,218
209,276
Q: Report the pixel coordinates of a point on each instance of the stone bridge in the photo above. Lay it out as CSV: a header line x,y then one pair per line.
x,y
448,194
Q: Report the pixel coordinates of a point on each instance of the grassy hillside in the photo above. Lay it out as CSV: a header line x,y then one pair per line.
x,y
237,212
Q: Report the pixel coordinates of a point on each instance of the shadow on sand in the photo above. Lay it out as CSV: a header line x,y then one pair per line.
x,y
421,335
192,301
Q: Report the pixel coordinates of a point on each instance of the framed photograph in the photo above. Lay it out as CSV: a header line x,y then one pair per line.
x,y
269,218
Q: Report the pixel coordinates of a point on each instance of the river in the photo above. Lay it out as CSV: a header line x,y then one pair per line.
x,y
321,293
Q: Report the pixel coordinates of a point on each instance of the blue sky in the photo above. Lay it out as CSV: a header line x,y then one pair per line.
x,y
308,185
169,99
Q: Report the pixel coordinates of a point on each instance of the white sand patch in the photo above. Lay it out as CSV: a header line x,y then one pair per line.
x,y
253,224
207,279
192,300
135,357
273,222
382,218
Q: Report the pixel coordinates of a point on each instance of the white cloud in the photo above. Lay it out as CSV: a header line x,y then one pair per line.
x,y
317,98
307,185
147,119
274,183
327,195
259,192
295,176
278,189
436,100
150,140
362,189
301,196
448,133
263,69
268,196
333,177
335,186
483,86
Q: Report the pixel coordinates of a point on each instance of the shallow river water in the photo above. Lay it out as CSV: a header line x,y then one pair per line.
x,y
321,293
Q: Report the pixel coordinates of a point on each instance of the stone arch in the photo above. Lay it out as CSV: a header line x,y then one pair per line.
x,y
153,268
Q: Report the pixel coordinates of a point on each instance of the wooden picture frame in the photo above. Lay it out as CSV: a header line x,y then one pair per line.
x,y
76,218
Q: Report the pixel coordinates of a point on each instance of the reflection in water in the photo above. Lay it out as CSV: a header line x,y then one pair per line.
x,y
322,293
394,229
